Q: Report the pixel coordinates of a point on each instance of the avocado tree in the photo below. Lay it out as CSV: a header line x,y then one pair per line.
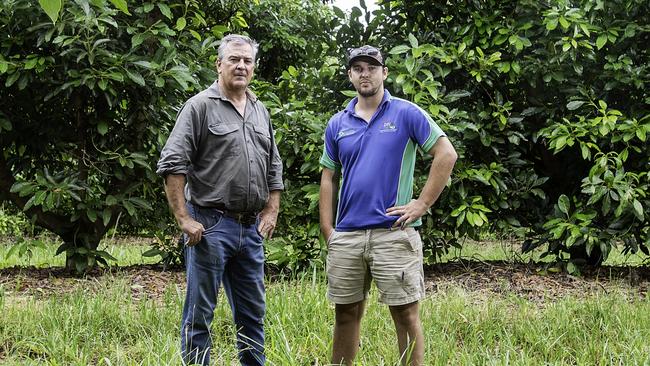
x,y
89,95
547,104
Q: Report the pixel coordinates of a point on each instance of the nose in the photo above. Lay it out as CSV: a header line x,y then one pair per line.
x,y
241,64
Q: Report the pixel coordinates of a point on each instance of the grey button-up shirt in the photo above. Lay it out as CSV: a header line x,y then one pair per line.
x,y
228,160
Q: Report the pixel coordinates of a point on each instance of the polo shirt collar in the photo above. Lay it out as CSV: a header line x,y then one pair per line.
x,y
215,92
353,102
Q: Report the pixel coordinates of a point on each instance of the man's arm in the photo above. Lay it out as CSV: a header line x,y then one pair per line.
x,y
329,182
174,186
444,158
269,215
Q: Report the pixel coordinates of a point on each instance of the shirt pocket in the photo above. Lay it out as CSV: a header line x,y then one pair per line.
x,y
262,138
225,138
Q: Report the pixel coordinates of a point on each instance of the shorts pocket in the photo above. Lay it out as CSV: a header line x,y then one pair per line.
x,y
413,239
331,238
413,283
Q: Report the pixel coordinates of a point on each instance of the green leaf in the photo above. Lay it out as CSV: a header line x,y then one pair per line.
x,y
51,8
564,203
638,209
5,124
602,104
399,49
181,23
145,64
413,41
111,200
573,105
12,79
121,4
564,23
136,77
195,34
160,82
572,269
585,151
600,42
138,39
164,9
152,252
106,216
141,203
92,215
12,251
30,63
102,128
129,207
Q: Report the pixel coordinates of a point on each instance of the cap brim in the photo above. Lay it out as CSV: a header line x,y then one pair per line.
x,y
368,59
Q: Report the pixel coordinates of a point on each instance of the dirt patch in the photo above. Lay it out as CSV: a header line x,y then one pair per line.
x,y
530,281
144,281
535,282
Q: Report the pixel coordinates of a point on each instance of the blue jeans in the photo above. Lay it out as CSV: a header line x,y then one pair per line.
x,y
231,253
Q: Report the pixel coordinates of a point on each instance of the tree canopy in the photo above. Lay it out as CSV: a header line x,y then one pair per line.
x,y
546,103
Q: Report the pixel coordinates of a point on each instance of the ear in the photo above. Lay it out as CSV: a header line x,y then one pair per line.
x,y
385,72
217,65
350,74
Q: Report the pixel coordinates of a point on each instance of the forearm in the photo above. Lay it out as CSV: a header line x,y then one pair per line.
x,y
444,158
327,201
273,202
174,190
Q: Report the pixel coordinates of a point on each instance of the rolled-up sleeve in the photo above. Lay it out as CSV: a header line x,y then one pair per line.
x,y
274,177
181,146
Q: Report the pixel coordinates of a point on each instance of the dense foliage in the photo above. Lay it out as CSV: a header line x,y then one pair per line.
x,y
545,102
86,104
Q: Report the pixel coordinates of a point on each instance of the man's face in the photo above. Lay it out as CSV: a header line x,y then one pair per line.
x,y
236,67
368,79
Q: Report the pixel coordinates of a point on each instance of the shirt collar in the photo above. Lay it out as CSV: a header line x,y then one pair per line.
x,y
214,92
353,102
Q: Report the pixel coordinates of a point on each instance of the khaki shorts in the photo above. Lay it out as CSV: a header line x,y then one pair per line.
x,y
393,258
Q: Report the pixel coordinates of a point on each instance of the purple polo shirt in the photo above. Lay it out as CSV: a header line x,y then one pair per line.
x,y
377,160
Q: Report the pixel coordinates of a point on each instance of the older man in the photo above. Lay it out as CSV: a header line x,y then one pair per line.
x,y
223,178
373,143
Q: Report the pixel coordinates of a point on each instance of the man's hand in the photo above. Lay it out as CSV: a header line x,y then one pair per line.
x,y
268,220
327,232
407,213
193,229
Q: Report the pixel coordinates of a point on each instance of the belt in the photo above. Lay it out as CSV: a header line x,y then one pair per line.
x,y
242,217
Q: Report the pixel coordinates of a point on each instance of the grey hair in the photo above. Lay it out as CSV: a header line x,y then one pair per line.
x,y
237,38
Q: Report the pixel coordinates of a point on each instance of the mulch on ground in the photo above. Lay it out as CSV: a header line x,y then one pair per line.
x,y
530,281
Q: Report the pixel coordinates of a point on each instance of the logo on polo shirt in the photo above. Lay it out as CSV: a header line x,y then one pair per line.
x,y
346,132
388,127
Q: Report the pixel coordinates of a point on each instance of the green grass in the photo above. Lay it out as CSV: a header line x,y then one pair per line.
x,y
509,250
127,251
102,323
106,326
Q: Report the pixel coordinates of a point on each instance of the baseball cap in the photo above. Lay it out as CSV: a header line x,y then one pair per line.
x,y
367,53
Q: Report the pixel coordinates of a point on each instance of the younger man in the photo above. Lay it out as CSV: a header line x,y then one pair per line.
x,y
373,142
